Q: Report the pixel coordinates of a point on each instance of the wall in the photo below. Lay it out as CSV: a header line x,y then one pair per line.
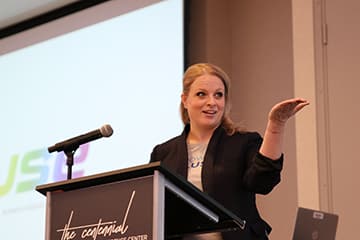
x,y
337,84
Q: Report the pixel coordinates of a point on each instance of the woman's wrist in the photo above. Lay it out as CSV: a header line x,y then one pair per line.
x,y
275,127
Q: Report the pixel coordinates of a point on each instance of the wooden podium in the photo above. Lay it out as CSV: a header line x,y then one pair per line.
x,y
146,202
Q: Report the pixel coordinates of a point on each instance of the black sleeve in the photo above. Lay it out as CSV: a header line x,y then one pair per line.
x,y
262,173
153,155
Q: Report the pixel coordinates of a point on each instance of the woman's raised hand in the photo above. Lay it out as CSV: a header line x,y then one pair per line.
x,y
282,111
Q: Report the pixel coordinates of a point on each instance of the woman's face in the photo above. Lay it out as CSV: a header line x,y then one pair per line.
x,y
205,102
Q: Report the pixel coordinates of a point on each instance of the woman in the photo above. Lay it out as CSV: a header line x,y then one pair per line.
x,y
230,165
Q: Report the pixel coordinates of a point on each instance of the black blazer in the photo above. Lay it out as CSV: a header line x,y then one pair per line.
x,y
233,172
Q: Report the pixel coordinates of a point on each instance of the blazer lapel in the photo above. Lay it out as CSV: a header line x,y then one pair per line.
x,y
182,153
207,174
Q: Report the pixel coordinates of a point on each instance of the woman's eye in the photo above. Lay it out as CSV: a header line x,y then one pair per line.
x,y
219,94
200,94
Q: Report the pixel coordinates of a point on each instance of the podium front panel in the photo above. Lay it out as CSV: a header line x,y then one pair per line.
x,y
114,211
146,202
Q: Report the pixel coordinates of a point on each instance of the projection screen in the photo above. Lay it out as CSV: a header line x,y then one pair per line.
x,y
118,63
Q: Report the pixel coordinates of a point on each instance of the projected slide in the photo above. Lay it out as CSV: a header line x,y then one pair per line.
x,y
125,71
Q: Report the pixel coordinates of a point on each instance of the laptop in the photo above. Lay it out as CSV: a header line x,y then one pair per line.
x,y
315,225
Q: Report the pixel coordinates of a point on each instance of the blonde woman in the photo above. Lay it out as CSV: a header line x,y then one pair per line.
x,y
230,165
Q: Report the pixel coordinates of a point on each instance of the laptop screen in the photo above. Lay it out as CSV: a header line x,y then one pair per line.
x,y
315,225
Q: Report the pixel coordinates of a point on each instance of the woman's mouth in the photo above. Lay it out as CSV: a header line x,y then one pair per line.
x,y
210,112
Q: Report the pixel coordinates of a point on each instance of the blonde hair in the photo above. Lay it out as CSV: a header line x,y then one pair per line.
x,y
200,69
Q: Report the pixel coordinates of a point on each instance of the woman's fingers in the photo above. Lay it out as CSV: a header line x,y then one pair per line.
x,y
282,111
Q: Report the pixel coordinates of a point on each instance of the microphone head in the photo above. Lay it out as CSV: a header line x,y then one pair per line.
x,y
106,130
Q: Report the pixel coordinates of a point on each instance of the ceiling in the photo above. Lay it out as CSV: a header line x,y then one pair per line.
x,y
14,11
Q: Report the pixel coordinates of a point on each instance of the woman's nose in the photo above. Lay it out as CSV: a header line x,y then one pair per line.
x,y
211,101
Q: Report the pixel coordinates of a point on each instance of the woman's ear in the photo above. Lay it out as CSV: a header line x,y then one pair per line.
x,y
183,100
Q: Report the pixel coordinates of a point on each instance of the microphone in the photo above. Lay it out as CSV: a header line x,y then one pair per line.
x,y
73,143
